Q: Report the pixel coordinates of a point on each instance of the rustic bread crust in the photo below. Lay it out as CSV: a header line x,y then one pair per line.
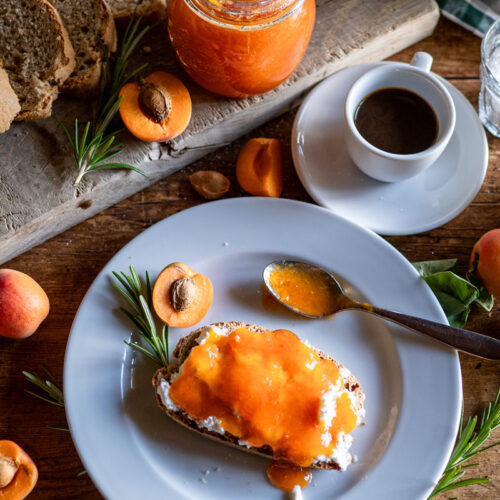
x,y
85,82
182,351
66,63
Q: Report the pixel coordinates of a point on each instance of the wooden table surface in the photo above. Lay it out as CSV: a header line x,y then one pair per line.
x,y
66,266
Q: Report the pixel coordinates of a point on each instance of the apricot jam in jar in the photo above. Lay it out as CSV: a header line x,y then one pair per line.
x,y
240,48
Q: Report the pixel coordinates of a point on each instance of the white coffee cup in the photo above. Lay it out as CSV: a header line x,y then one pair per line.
x,y
391,167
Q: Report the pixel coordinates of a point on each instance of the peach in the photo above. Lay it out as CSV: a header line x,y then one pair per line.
x,y
485,261
23,304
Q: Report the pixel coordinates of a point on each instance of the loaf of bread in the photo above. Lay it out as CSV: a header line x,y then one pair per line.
x,y
9,103
91,29
164,377
36,52
152,10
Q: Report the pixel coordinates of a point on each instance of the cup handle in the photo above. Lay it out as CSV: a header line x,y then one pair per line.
x,y
422,60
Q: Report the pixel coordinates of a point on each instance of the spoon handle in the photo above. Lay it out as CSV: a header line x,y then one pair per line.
x,y
474,343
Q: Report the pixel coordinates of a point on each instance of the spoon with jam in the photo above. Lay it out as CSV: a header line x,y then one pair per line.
x,y
315,293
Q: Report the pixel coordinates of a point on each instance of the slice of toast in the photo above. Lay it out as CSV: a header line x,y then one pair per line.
x,y
182,352
92,31
37,54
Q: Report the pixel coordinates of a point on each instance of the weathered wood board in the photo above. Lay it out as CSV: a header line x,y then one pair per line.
x,y
37,197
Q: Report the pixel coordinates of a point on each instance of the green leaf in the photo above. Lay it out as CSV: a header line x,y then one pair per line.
x,y
83,148
455,295
428,267
102,149
119,165
485,299
464,440
106,156
149,292
141,349
47,399
466,482
456,311
453,285
53,391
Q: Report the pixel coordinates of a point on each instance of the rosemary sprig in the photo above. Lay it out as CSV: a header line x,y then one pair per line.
x,y
468,445
140,315
93,145
54,395
53,391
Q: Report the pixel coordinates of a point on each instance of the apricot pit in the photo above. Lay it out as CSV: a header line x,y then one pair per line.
x,y
182,293
8,469
210,184
155,101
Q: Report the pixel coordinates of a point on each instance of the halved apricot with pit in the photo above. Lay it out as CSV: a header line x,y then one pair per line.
x,y
18,473
156,109
181,296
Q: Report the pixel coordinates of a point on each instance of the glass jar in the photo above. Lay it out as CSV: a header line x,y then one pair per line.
x,y
489,96
240,48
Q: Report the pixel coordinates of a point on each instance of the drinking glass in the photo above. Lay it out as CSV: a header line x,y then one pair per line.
x,y
489,96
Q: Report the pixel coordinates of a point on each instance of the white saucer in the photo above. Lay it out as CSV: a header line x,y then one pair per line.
x,y
419,204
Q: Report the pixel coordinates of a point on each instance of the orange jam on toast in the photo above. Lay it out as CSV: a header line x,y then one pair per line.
x,y
267,389
284,476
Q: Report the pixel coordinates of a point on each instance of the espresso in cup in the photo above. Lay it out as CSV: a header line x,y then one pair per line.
x,y
397,120
415,118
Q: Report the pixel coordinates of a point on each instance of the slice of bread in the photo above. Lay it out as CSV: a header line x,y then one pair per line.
x,y
151,10
182,352
91,28
9,103
36,52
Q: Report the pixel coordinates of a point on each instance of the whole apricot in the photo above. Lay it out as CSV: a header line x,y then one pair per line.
x,y
485,261
23,304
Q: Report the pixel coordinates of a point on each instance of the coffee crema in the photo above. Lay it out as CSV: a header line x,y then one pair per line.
x,y
397,121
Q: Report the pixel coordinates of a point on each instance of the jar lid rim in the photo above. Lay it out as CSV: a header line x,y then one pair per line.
x,y
244,14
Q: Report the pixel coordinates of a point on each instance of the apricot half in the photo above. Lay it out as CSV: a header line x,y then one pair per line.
x,y
485,261
23,304
18,473
259,167
156,109
181,296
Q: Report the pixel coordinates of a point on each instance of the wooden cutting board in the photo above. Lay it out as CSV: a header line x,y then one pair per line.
x,y
37,197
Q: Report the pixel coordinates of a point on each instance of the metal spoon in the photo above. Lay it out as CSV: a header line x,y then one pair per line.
x,y
463,340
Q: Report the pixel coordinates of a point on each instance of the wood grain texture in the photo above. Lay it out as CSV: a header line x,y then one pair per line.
x,y
37,197
67,264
